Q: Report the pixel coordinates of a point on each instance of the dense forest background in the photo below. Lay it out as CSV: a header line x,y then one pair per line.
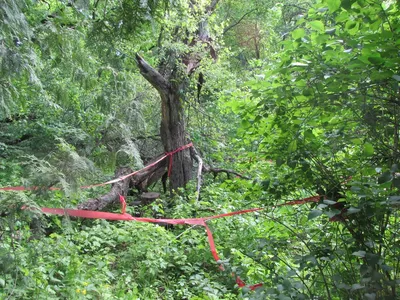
x,y
283,101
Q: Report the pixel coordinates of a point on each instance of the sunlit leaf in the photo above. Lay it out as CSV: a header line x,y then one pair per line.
x,y
292,146
333,5
368,149
298,33
298,64
318,26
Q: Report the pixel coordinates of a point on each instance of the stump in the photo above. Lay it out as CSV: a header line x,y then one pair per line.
x,y
149,197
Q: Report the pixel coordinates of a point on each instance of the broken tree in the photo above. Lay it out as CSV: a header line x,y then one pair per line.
x,y
170,82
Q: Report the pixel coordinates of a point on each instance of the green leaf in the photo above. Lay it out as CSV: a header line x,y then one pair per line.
x,y
318,26
396,182
394,198
360,253
298,33
329,202
397,77
293,146
333,5
385,177
314,213
357,286
298,64
353,210
368,149
356,141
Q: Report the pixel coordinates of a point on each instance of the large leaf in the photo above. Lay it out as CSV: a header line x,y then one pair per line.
x,y
298,33
318,26
368,149
333,5
314,214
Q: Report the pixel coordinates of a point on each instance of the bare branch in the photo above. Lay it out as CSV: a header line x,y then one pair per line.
x,y
207,169
296,6
155,137
152,76
237,22
215,171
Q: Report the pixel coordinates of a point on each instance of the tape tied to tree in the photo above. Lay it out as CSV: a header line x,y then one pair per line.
x,y
167,154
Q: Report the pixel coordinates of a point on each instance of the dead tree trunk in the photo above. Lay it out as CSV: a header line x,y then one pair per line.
x,y
169,83
173,132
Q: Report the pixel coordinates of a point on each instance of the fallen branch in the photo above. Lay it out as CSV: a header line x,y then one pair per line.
x,y
208,169
215,171
140,181
155,170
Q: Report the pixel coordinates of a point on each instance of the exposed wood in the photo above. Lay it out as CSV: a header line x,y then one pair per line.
x,y
152,76
199,160
140,181
118,188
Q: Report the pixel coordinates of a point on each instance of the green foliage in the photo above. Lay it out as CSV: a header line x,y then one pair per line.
x,y
327,115
303,98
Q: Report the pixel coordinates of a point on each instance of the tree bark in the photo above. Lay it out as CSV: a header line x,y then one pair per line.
x,y
172,128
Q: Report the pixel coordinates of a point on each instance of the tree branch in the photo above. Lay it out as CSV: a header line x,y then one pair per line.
x,y
215,171
197,157
152,76
207,169
140,180
237,22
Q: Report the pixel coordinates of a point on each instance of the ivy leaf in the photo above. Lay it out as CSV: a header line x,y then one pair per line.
x,y
318,26
314,213
333,5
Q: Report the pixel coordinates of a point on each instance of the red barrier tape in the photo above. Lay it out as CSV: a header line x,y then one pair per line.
x,y
170,154
193,221
127,217
167,154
